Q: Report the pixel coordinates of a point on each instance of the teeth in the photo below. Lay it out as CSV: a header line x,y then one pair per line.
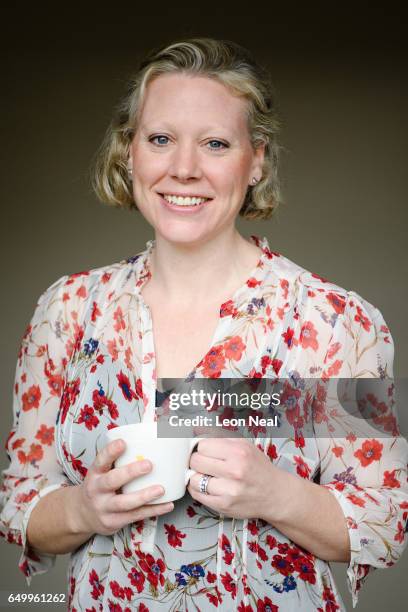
x,y
184,201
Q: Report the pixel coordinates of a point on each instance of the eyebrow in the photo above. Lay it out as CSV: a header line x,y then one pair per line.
x,y
157,127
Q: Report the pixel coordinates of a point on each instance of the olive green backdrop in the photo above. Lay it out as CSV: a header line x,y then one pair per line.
x,y
341,83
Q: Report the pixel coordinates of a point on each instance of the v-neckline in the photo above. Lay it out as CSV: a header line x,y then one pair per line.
x,y
226,311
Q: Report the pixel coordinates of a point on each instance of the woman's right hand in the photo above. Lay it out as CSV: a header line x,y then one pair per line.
x,y
101,509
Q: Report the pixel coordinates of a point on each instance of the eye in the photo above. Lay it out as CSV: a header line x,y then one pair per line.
x,y
159,136
218,142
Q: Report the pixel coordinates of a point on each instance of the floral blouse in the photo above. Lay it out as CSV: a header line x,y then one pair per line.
x,y
87,364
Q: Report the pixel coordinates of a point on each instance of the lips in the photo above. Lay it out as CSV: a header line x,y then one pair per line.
x,y
194,208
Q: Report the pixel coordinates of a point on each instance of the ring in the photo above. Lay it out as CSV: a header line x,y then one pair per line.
x,y
203,484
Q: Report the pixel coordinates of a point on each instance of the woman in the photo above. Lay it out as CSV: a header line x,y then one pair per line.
x,y
192,146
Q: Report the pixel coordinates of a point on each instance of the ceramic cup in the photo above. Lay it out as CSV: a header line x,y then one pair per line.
x,y
170,458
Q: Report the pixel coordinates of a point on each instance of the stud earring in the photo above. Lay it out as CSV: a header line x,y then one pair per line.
x,y
255,180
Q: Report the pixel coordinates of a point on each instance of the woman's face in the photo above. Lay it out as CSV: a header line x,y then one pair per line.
x,y
192,140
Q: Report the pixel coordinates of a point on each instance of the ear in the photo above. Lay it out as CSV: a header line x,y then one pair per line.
x,y
257,164
130,161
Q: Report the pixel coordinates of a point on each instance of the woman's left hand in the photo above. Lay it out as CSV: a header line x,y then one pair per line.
x,y
244,482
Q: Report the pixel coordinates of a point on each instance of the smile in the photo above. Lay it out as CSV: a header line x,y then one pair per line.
x,y
184,205
184,200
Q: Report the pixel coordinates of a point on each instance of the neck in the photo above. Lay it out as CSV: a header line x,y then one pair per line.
x,y
201,273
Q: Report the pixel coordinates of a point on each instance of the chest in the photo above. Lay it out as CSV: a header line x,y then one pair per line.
x,y
181,338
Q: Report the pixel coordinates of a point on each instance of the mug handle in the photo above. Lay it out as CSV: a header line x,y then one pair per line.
x,y
189,471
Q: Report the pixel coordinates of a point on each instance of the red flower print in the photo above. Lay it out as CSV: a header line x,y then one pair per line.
x,y
113,349
215,599
337,301
211,577
252,282
88,417
282,565
98,588
174,536
302,468
55,382
82,292
226,547
71,390
120,592
399,536
77,466
31,398
253,528
213,362
153,569
357,501
243,608
390,480
308,335
260,552
36,453
24,498
360,318
333,349
305,568
288,337
95,312
120,322
45,435
272,454
234,348
228,309
328,597
229,584
137,579
124,384
333,370
337,451
320,278
190,511
266,605
142,608
284,283
299,440
271,541
370,451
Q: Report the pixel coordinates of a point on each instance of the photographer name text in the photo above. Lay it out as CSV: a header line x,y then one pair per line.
x,y
217,421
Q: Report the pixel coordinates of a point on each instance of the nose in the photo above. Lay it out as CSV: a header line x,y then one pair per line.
x,y
185,163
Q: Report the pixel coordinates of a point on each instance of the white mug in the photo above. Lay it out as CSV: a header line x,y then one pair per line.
x,y
170,458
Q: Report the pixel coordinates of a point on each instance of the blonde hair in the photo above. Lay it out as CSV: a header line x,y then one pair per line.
x,y
223,60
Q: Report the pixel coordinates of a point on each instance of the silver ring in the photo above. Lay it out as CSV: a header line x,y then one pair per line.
x,y
203,484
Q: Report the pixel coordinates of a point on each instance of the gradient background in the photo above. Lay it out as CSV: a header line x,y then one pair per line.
x,y
340,76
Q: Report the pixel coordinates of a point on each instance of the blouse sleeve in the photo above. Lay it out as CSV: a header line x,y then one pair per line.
x,y
34,469
363,462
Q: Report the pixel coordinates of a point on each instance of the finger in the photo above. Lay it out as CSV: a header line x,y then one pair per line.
x,y
218,448
209,465
107,456
130,501
212,501
117,477
126,518
215,486
216,432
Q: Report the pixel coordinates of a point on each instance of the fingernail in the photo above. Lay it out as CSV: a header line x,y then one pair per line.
x,y
157,491
145,466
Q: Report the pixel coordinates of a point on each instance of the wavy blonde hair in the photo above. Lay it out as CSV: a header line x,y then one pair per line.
x,y
223,60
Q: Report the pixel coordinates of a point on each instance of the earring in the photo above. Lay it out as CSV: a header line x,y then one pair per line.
x,y
255,180
130,171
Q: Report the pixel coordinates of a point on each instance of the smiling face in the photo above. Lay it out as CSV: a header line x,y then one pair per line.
x,y
192,139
